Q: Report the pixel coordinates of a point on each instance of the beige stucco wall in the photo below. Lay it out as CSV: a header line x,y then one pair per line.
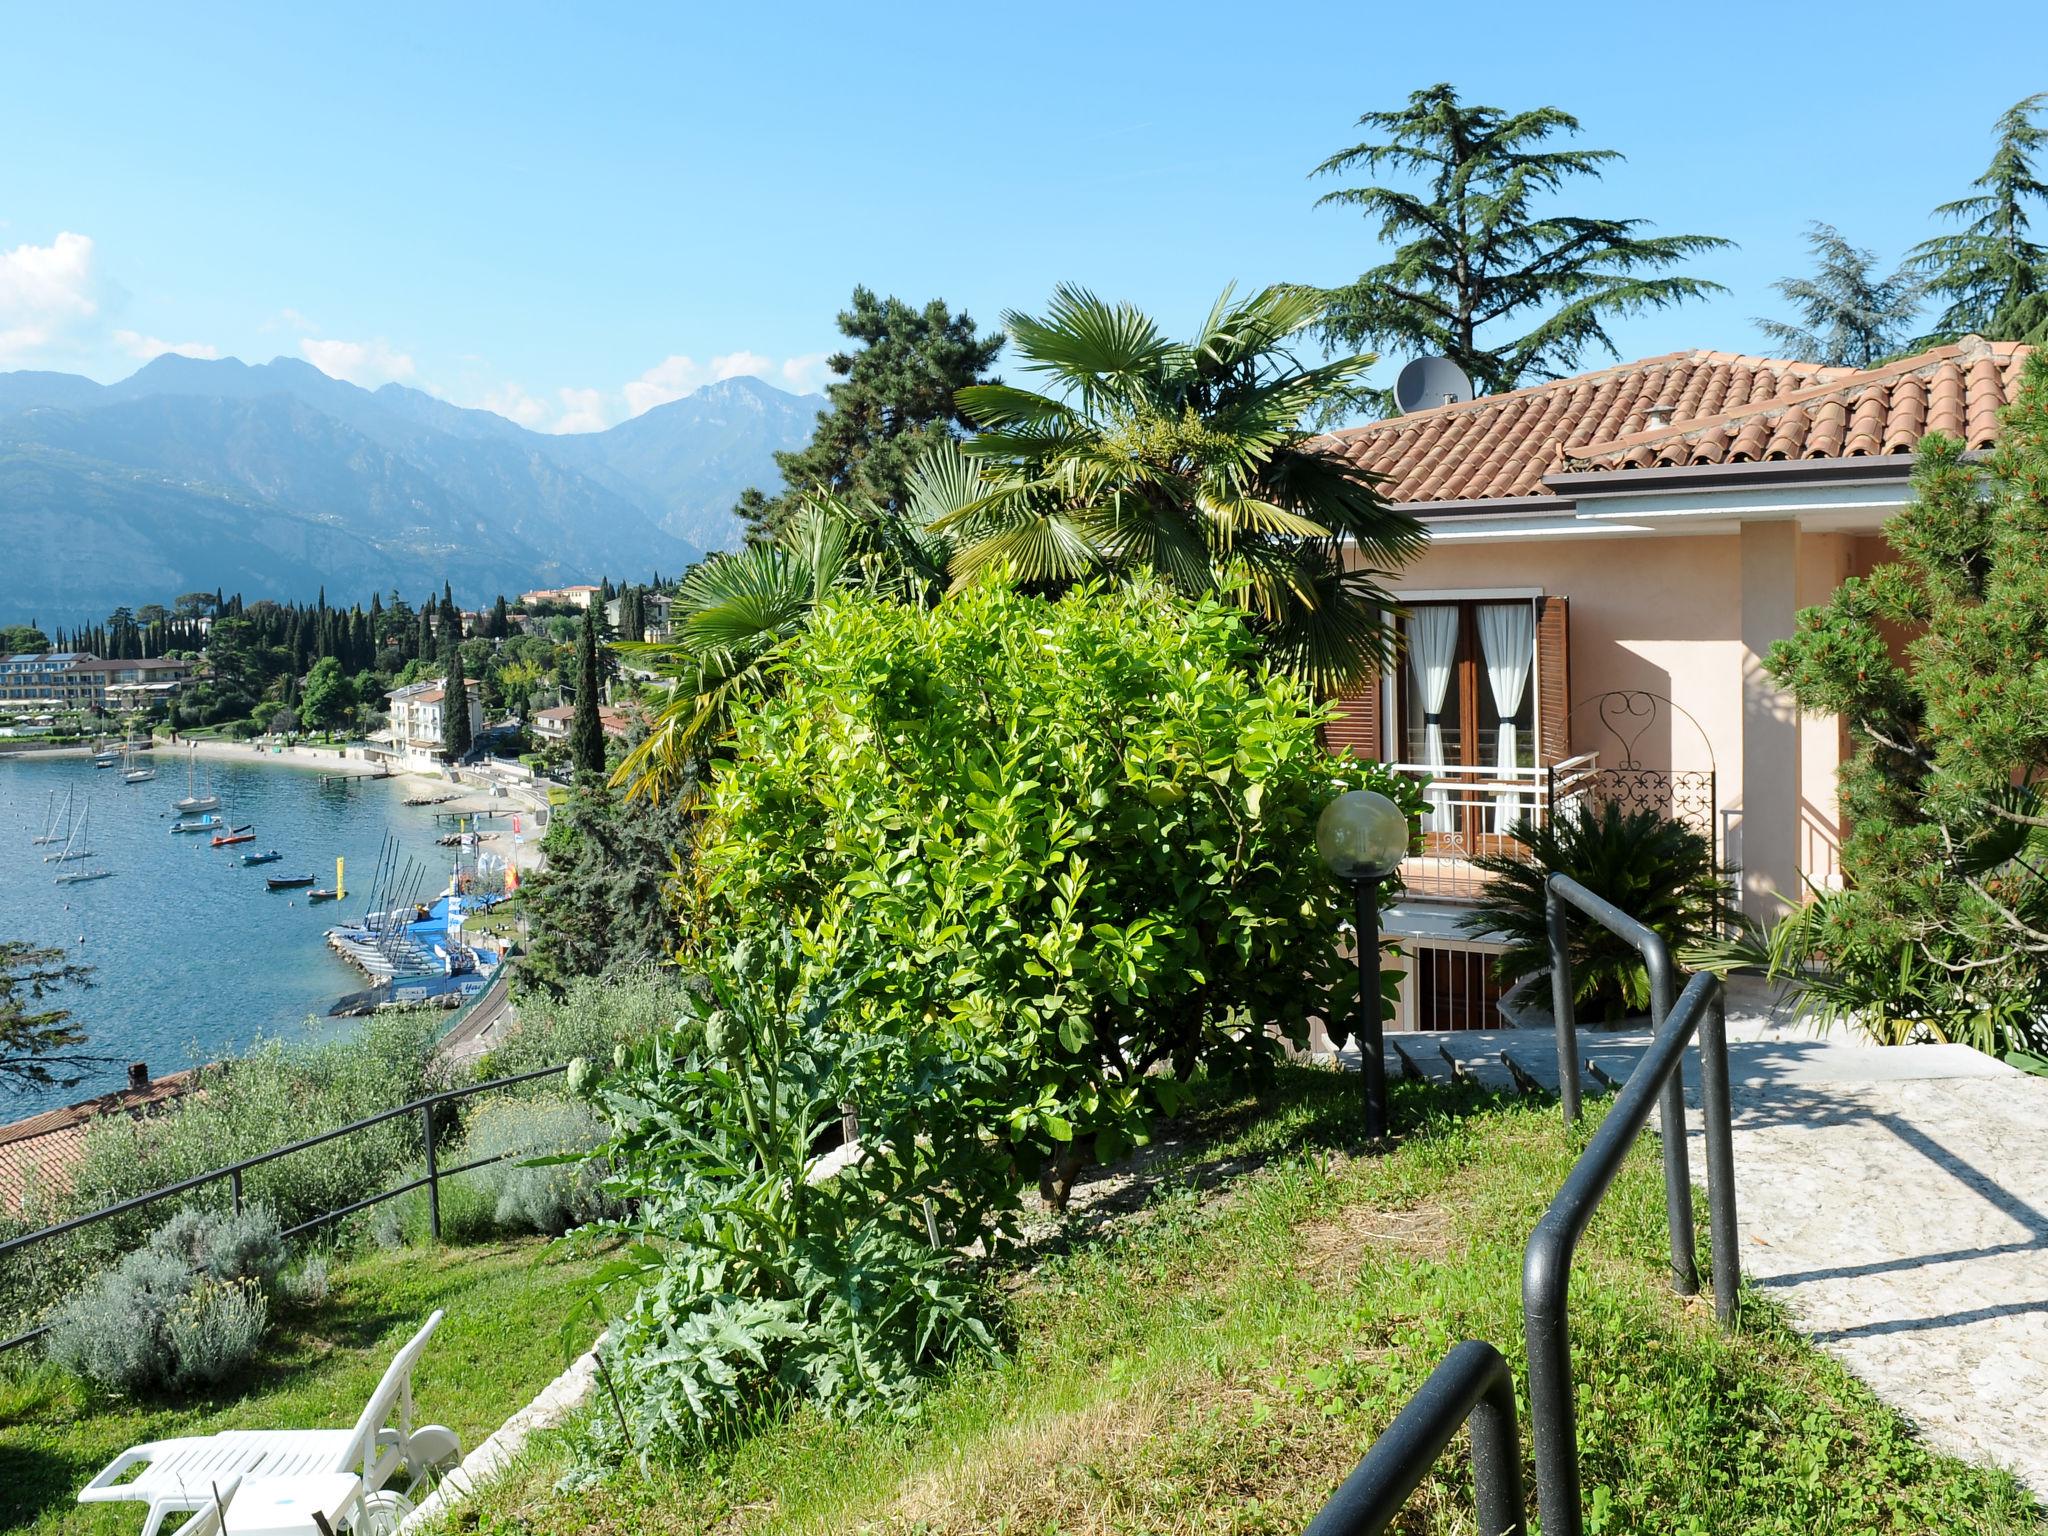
x,y
1690,617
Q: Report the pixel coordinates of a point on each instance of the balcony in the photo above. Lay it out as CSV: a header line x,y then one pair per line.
x,y
1469,812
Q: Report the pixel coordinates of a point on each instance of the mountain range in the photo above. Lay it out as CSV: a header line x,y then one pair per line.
x,y
275,480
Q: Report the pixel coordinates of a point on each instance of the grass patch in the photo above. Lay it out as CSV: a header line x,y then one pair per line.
x,y
498,1345
1218,1363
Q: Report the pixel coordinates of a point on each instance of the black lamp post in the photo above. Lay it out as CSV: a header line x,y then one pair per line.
x,y
1362,836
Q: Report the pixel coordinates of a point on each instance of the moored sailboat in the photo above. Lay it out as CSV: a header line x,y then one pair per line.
x,y
194,802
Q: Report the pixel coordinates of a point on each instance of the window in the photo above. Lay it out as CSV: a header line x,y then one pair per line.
x,y
1466,708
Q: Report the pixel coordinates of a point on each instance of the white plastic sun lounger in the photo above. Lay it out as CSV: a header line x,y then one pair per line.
x,y
180,1475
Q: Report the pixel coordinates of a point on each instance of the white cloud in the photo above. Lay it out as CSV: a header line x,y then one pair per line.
x,y
137,345
367,363
49,297
592,410
515,404
805,374
583,410
679,374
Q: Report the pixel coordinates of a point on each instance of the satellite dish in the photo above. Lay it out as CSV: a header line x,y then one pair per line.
x,y
1428,382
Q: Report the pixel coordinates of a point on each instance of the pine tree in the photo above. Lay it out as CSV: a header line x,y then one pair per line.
x,y
894,398
1942,928
1473,260
455,735
1850,317
586,728
1992,277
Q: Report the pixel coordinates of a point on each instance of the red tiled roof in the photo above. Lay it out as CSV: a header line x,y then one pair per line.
x,y
41,1151
1683,408
1956,390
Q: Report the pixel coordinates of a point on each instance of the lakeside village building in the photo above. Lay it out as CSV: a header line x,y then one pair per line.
x,y
414,732
52,681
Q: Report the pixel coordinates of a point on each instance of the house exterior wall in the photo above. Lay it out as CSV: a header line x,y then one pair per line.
x,y
1690,617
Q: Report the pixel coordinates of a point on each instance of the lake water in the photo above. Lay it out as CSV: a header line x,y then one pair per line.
x,y
193,957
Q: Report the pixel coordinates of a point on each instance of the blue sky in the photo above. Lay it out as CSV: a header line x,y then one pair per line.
x,y
572,216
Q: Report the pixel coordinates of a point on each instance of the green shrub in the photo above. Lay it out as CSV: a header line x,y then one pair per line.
x,y
1660,872
548,1199
508,1197
591,1019
755,1283
213,1331
269,1097
1064,850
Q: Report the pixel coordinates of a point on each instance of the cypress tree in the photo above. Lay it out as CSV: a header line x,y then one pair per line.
x,y
586,731
455,737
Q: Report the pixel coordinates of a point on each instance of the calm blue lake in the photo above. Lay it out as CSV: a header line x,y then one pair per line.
x,y
193,957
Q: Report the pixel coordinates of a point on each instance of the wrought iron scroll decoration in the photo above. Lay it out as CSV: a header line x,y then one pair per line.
x,y
1686,795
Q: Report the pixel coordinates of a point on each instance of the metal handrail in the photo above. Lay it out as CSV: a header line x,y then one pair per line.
x,y
1559,892
1547,1261
232,1172
1473,1383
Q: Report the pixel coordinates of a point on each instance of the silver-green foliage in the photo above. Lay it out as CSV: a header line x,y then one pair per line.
x,y
539,1196
186,1311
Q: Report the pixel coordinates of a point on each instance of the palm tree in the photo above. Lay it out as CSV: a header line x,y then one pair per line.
x,y
1852,318
1189,459
732,610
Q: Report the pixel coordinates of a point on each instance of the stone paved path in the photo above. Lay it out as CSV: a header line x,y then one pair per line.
x,y
1895,1200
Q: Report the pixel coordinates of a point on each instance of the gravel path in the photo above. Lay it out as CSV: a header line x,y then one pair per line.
x,y
1894,1199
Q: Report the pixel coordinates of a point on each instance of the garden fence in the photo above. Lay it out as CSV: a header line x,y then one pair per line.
x,y
233,1173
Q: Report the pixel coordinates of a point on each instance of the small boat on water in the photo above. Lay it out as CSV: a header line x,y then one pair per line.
x,y
104,756
74,845
323,894
197,824
289,882
232,838
133,772
251,859
56,824
80,876
194,801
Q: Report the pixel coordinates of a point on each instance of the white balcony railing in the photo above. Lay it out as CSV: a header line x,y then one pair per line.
x,y
1469,811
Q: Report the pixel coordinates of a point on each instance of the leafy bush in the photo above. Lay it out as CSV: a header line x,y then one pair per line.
x,y
756,1281
188,1310
509,1196
1933,662
591,1019
266,1098
1658,871
1067,844
551,1198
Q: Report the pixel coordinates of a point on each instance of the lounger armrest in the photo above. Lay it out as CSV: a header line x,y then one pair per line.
x,y
102,1488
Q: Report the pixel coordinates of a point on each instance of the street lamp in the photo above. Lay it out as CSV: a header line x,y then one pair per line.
x,y
1362,836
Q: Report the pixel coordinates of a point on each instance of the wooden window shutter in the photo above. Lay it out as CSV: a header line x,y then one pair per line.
x,y
1553,680
1356,730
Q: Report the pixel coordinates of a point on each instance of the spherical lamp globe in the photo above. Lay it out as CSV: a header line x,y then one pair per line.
x,y
1362,835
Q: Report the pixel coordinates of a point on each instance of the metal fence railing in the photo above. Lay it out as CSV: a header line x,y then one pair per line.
x,y
1474,1381
1547,1261
233,1174
1473,1384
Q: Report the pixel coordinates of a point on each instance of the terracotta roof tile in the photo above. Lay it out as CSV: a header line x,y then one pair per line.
x,y
38,1154
1684,408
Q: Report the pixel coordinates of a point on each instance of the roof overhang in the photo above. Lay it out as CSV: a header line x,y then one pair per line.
x,y
1825,495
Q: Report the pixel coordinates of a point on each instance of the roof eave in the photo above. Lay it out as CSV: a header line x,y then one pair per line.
x,y
1865,468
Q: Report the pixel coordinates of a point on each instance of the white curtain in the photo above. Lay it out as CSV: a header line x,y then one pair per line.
x,y
1432,652
1507,634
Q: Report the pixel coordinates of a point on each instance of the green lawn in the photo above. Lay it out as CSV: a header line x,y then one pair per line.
x,y
499,1345
1218,1363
